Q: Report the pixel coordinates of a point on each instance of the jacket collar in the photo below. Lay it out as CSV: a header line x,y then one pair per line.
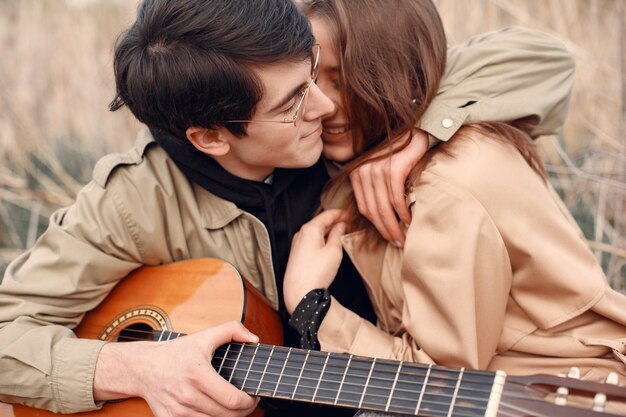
x,y
218,212
368,260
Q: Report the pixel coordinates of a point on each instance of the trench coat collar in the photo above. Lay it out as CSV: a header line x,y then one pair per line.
x,y
218,212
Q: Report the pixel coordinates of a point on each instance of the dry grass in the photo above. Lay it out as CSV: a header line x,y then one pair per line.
x,y
588,163
56,82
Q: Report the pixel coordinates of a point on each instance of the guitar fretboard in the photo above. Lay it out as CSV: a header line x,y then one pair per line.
x,y
353,381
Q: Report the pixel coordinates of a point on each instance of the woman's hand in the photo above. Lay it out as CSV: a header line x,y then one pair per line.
x,y
314,258
379,188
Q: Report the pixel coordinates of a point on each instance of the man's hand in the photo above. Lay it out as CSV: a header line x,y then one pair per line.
x,y
314,258
379,188
176,377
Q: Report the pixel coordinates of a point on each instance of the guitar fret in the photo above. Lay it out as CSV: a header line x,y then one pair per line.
x,y
456,392
379,388
282,371
271,378
292,377
310,377
317,387
421,397
496,394
393,387
367,382
243,385
407,388
354,384
440,390
219,371
269,358
236,363
300,376
343,378
161,337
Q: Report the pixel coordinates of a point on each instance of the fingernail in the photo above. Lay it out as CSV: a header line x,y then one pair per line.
x,y
397,243
254,337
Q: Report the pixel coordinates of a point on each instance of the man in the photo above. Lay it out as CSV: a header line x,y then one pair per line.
x,y
226,88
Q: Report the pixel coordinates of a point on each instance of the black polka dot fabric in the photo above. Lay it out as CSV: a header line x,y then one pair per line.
x,y
308,315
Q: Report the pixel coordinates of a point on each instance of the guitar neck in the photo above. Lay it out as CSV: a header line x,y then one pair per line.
x,y
397,387
356,382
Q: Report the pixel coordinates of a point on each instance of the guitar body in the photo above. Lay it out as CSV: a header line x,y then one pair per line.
x,y
182,297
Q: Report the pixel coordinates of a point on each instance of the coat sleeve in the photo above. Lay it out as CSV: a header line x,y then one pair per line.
x,y
507,75
45,293
455,277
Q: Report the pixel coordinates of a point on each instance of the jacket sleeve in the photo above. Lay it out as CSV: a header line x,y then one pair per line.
x,y
463,274
507,75
44,294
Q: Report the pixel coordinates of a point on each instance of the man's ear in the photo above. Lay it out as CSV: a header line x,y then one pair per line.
x,y
208,141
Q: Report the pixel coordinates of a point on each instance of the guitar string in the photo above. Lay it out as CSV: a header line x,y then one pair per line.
x,y
382,404
374,378
444,369
385,397
415,366
527,396
503,405
432,379
252,380
503,412
412,366
303,352
332,400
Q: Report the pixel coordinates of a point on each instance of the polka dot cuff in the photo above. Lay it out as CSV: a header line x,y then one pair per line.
x,y
308,315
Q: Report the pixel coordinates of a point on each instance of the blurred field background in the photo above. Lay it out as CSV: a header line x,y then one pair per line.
x,y
56,81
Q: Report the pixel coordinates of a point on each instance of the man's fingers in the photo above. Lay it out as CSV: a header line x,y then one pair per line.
x,y
232,330
202,405
220,393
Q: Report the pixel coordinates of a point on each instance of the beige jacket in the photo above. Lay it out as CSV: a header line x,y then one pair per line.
x,y
141,210
492,276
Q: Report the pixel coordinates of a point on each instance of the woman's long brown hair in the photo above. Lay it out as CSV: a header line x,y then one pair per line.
x,y
392,55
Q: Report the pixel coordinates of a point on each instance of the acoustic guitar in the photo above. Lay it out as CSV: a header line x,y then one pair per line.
x,y
165,302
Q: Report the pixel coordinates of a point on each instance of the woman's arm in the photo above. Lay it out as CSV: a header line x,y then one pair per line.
x,y
454,263
507,75
454,277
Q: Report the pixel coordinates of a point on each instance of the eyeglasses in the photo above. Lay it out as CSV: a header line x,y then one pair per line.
x,y
292,115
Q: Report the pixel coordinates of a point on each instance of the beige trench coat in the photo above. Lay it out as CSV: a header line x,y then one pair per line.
x,y
493,276
141,210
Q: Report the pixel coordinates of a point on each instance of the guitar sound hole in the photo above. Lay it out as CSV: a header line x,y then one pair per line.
x,y
136,332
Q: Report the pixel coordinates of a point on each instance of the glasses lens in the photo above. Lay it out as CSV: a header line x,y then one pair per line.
x,y
315,68
315,62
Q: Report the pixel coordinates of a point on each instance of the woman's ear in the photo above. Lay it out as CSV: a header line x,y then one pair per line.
x,y
208,141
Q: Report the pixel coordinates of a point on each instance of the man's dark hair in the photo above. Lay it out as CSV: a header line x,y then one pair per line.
x,y
189,63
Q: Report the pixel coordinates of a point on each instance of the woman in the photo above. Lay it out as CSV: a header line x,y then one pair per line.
x,y
493,275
